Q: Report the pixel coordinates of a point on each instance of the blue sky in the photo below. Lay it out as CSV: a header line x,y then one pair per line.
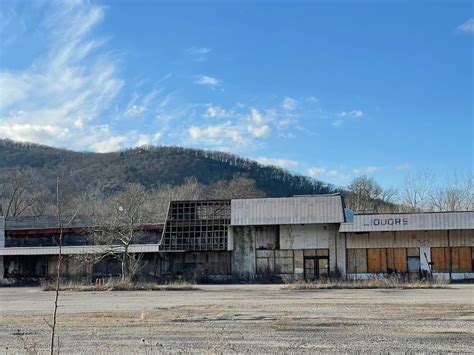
x,y
331,90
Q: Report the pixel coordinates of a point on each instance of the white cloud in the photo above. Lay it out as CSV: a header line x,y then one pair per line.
x,y
366,170
110,144
214,111
289,103
255,116
259,131
316,171
216,134
282,163
199,53
206,80
341,117
467,26
136,108
353,113
57,98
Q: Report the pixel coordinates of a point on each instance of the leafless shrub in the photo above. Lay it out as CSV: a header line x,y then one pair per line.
x,y
372,283
119,285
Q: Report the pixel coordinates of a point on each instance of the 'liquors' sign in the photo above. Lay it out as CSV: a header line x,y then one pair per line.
x,y
386,222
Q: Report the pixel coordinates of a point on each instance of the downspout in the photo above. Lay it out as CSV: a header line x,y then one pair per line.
x,y
450,257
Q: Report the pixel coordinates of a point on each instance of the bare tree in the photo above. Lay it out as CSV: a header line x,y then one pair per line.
x,y
416,191
238,187
456,195
119,224
58,266
366,194
24,193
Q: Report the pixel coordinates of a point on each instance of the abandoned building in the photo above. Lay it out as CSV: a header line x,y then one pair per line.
x,y
300,237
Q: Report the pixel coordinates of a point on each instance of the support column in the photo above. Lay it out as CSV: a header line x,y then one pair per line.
x,y
2,245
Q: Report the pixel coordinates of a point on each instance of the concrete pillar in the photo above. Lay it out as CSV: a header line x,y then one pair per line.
x,y
341,252
243,254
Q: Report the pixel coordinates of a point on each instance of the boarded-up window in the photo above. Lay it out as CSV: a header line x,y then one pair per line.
x,y
265,261
440,259
413,251
283,261
461,259
299,261
356,260
376,260
396,260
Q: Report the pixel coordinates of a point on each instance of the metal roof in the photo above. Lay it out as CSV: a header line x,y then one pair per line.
x,y
410,222
288,210
30,222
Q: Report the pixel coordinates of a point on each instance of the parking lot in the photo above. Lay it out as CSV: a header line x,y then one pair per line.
x,y
241,318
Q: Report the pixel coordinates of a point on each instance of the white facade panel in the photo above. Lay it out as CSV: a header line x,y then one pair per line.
x,y
410,222
304,237
287,210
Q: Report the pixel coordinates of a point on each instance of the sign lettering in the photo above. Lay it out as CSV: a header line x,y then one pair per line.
x,y
386,222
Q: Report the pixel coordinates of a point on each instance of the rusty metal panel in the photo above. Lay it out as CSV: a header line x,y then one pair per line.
x,y
461,259
356,260
376,260
410,221
440,258
288,210
397,259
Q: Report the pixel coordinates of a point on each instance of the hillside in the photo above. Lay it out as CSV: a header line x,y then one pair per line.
x,y
151,167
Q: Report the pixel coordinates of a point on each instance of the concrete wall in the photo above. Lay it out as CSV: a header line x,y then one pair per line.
x,y
243,255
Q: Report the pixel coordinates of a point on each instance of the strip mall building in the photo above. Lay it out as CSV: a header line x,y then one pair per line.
x,y
301,237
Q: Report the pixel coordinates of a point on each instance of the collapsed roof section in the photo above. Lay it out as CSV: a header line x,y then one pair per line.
x,y
196,225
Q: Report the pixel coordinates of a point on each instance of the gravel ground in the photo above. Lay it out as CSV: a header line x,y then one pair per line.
x,y
241,318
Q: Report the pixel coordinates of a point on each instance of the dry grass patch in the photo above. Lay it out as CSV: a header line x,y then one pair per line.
x,y
116,285
382,283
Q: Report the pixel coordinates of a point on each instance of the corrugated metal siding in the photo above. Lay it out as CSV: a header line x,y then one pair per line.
x,y
410,222
287,210
70,250
45,222
411,239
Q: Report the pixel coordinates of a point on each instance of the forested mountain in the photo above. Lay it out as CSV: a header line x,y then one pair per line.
x,y
150,166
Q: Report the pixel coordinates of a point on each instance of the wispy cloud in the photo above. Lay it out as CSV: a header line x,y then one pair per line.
x,y
282,163
467,26
199,53
403,167
66,97
366,170
67,88
289,103
215,111
343,116
206,80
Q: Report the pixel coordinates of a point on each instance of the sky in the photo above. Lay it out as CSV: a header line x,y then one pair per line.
x,y
328,89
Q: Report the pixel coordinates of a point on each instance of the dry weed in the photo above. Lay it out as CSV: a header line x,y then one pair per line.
x,y
383,283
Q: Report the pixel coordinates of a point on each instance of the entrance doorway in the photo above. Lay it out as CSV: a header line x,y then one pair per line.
x,y
316,267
